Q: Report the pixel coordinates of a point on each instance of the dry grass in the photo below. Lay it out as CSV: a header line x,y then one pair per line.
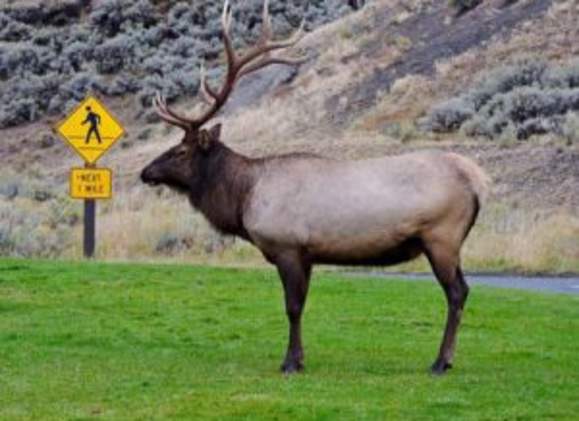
x,y
523,240
519,240
144,224
400,105
158,226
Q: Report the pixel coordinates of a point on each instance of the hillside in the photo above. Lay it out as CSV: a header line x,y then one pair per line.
x,y
382,80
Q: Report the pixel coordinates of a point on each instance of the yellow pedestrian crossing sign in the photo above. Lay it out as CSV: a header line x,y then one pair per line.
x,y
90,129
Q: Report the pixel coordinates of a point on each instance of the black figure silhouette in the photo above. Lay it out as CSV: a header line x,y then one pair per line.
x,y
95,121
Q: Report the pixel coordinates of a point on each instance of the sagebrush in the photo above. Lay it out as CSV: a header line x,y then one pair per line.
x,y
463,6
526,98
53,54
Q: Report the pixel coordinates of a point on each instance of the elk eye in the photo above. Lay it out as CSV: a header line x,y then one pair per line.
x,y
182,152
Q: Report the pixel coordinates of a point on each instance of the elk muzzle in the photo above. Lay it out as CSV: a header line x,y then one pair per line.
x,y
150,175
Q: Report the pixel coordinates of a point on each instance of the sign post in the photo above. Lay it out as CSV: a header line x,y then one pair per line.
x,y
90,130
90,183
89,237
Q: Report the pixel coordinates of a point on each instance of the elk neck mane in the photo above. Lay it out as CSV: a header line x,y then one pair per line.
x,y
226,179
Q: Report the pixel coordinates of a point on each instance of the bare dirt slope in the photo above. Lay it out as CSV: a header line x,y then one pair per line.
x,y
433,35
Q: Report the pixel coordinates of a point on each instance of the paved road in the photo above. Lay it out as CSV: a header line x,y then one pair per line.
x,y
566,285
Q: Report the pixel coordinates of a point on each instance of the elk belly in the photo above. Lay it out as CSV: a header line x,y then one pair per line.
x,y
368,254
379,243
339,231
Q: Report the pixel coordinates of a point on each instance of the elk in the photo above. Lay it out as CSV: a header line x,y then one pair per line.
x,y
300,209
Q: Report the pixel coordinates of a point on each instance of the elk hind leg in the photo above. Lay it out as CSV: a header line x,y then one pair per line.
x,y
446,267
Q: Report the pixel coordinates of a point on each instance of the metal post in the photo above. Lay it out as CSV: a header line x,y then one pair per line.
x,y
89,239
89,227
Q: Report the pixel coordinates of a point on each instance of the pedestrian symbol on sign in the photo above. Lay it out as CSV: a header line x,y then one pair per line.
x,y
95,120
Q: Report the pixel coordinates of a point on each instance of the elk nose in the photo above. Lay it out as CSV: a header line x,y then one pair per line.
x,y
147,176
144,175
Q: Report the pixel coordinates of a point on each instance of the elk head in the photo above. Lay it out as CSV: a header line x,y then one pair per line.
x,y
179,166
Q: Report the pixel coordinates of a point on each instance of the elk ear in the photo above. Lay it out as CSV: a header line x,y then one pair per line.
x,y
215,132
205,139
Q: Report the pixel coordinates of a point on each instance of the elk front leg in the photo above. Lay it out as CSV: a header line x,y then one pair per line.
x,y
295,276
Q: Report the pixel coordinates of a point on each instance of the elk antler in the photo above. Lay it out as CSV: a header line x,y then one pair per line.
x,y
257,57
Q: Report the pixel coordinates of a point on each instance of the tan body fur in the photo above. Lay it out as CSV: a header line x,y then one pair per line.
x,y
362,211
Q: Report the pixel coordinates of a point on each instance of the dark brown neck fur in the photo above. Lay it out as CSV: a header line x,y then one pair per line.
x,y
225,182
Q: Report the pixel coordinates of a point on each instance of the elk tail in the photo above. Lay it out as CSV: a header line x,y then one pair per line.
x,y
479,180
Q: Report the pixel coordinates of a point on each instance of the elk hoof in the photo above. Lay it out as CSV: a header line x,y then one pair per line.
x,y
440,367
291,367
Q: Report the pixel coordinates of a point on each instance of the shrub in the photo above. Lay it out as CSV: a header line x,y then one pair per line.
x,y
9,189
47,141
570,128
142,12
527,103
24,234
36,215
565,77
112,56
11,30
529,97
18,61
56,13
149,38
26,102
19,112
76,54
450,115
107,17
128,42
526,72
79,85
27,14
186,80
463,6
122,85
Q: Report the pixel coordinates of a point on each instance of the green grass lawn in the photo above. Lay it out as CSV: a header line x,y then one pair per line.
x,y
119,341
